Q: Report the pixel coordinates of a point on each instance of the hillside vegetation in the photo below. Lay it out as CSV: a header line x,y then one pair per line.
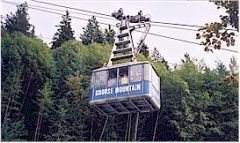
x,y
45,95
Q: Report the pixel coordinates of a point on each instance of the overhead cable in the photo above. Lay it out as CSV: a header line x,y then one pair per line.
x,y
153,34
83,10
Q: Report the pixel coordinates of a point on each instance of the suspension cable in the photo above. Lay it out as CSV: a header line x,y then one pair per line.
x,y
153,34
188,25
83,10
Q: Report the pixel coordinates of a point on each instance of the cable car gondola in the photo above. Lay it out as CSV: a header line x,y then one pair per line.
x,y
126,88
130,87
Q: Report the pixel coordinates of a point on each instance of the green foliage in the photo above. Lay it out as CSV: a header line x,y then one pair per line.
x,y
77,113
26,66
217,32
109,35
14,130
156,57
45,93
12,122
92,33
232,9
64,32
45,96
74,64
19,21
222,70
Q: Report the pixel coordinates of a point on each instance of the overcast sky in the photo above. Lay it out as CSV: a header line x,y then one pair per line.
x,y
184,12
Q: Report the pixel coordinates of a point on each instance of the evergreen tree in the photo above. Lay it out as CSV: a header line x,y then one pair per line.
x,y
212,81
29,60
229,114
223,108
45,96
70,115
222,70
64,32
57,130
44,102
14,130
109,35
77,114
13,127
156,56
19,21
92,33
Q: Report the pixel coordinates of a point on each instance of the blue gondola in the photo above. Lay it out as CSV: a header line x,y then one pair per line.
x,y
125,88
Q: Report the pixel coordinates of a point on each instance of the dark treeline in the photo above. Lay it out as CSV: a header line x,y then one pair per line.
x,y
45,90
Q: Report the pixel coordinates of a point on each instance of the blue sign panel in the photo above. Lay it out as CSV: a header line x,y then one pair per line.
x,y
137,88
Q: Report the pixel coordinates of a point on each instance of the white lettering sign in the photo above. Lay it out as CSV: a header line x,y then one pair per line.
x,y
121,89
104,91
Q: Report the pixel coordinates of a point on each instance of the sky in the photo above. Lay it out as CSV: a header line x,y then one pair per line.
x,y
183,12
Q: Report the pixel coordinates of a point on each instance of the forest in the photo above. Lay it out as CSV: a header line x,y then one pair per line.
x,y
45,89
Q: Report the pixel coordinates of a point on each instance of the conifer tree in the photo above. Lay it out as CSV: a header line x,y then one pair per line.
x,y
13,127
41,103
64,32
26,65
109,35
77,115
156,57
92,33
19,21
222,70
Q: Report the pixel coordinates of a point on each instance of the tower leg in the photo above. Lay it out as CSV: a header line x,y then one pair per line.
x,y
103,128
136,127
132,129
155,127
